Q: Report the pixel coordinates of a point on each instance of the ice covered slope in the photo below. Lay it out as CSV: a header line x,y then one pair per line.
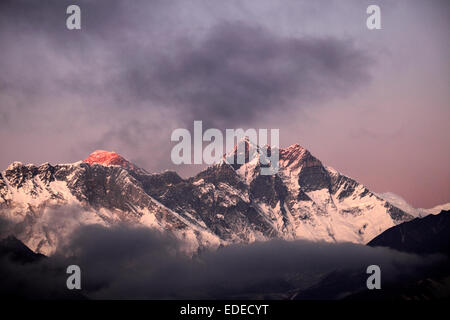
x,y
309,200
223,204
42,205
401,203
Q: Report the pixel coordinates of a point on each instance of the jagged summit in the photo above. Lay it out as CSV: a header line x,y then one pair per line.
x,y
292,158
294,148
295,156
244,148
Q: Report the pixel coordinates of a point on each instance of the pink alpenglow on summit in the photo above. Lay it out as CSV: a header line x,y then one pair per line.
x,y
108,158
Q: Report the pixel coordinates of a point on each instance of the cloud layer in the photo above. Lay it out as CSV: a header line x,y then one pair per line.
x,y
240,72
124,262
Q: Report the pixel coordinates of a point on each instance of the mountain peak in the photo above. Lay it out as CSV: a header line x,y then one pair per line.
x,y
108,158
294,156
295,146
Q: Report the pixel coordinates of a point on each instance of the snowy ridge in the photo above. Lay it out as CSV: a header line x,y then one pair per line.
x,y
401,203
438,209
226,203
49,210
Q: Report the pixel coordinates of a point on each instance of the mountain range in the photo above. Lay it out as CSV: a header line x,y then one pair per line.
x,y
223,204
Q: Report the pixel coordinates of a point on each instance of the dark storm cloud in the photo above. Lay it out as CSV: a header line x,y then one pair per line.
x,y
41,57
239,72
230,75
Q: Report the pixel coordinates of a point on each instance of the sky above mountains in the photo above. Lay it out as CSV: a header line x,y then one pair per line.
x,y
374,104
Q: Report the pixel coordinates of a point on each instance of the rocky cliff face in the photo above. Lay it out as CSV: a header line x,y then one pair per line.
x,y
427,235
223,204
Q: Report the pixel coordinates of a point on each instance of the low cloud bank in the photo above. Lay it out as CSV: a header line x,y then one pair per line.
x,y
125,262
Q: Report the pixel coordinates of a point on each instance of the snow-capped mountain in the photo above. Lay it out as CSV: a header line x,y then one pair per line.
x,y
223,204
439,208
402,204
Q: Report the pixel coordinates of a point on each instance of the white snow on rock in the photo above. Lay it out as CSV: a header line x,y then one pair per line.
x,y
338,209
401,203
